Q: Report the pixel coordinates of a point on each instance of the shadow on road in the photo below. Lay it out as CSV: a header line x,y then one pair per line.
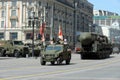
x,y
63,64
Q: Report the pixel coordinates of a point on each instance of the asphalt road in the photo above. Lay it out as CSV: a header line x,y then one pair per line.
x,y
30,69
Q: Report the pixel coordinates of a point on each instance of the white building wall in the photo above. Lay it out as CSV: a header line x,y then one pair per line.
x,y
63,11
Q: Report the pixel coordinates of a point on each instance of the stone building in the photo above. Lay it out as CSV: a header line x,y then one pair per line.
x,y
102,17
110,23
16,18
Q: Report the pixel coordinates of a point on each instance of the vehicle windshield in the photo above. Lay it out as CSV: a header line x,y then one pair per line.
x,y
53,48
18,43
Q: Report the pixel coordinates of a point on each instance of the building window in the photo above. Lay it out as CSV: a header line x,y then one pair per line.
x,y
2,24
1,36
13,35
29,13
39,3
30,2
13,13
30,23
14,2
29,35
2,3
13,23
3,14
37,24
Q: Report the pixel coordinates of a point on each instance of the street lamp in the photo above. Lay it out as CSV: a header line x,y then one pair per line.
x,y
75,23
33,19
33,23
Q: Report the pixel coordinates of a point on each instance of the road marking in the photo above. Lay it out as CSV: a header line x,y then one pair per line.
x,y
64,71
2,79
11,69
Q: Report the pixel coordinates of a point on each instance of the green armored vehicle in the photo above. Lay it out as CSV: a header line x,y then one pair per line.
x,y
13,48
55,53
94,46
37,49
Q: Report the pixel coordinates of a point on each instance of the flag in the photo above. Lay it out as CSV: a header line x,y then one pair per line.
x,y
42,27
43,38
60,34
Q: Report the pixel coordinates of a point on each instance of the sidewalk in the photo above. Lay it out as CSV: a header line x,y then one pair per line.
x,y
2,58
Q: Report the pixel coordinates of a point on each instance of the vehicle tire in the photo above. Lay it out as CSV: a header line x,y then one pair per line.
x,y
42,62
3,53
16,54
67,61
52,62
59,60
99,56
83,57
0,54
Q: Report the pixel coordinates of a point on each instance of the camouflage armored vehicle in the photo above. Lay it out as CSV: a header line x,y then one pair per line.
x,y
37,49
55,53
13,48
94,46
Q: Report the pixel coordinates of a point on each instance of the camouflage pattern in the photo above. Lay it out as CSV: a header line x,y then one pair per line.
x,y
94,46
55,53
37,49
13,48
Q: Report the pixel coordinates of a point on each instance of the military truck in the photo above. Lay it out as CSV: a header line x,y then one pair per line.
x,y
55,53
94,46
13,48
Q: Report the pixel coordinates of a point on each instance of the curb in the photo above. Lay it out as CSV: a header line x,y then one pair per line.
x,y
2,58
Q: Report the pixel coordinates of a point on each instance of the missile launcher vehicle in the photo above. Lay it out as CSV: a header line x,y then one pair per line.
x,y
94,46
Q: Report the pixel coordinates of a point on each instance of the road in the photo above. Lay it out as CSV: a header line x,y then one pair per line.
x,y
30,69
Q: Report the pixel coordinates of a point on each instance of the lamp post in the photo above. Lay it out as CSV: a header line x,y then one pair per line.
x,y
33,23
75,23
33,19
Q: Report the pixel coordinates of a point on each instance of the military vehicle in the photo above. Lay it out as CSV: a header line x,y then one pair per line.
x,y
37,49
55,53
13,48
94,46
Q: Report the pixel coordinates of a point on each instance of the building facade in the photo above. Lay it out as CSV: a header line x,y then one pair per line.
x,y
107,18
17,16
110,23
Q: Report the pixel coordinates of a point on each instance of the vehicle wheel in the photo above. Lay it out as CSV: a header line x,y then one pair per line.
x,y
59,60
67,61
52,62
83,57
0,54
16,54
42,62
3,53
99,56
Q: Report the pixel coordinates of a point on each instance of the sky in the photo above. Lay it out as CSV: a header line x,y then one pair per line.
x,y
107,5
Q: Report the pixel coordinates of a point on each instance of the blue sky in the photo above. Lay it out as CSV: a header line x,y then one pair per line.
x,y
108,5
